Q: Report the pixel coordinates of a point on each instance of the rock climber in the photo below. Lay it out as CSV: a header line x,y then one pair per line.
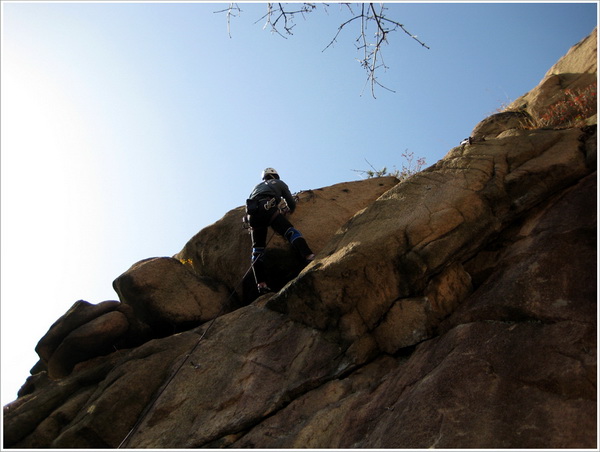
x,y
262,208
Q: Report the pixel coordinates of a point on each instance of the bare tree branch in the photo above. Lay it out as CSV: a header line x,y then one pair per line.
x,y
276,13
280,20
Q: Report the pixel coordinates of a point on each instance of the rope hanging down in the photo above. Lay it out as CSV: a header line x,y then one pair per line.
x,y
185,359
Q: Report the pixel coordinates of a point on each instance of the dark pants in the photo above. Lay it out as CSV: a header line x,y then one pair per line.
x,y
259,223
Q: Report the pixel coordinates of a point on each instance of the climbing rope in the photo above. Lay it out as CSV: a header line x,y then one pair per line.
x,y
187,356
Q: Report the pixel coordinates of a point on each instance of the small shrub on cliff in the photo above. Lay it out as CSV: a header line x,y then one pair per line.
x,y
409,167
573,110
576,106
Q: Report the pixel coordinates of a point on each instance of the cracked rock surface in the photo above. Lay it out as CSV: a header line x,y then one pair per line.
x,y
456,309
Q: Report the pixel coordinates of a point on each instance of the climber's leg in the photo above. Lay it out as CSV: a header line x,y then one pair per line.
x,y
284,228
259,239
295,237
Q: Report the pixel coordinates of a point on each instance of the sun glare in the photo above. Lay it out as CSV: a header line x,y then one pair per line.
x,y
41,134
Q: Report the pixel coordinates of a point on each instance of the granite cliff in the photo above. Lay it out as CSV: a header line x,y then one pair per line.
x,y
454,309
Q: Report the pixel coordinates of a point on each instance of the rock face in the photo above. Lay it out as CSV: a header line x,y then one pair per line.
x,y
456,309
222,251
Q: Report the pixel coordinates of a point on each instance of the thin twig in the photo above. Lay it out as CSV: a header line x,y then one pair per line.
x,y
229,10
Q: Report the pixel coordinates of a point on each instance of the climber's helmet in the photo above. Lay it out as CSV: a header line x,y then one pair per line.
x,y
269,173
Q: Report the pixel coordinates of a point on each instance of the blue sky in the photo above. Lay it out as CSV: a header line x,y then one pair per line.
x,y
128,127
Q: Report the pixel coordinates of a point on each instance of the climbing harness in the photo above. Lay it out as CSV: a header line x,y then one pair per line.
x,y
185,359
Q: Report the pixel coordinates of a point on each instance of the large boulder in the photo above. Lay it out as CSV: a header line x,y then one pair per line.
x,y
88,341
498,123
169,297
79,314
83,332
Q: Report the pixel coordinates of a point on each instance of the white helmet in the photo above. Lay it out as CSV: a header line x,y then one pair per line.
x,y
269,172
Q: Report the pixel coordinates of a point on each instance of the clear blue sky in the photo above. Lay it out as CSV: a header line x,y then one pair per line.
x,y
128,127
